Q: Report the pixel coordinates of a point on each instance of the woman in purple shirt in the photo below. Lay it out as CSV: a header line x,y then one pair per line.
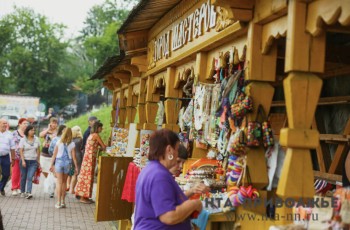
x,y
160,203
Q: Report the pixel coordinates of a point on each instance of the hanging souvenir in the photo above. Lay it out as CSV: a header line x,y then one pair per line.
x,y
199,106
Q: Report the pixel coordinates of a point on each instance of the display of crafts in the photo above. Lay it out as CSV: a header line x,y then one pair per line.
x,y
144,142
119,142
208,171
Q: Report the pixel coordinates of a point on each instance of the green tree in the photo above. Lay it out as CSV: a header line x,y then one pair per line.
x,y
99,38
32,53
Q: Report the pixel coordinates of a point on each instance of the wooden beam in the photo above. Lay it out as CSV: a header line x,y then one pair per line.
x,y
124,78
332,178
322,101
319,152
132,69
320,126
237,10
340,152
335,137
140,62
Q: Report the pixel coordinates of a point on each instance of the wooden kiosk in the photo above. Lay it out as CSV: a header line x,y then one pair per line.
x,y
287,53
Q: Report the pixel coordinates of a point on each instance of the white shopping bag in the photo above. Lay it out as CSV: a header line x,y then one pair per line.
x,y
50,184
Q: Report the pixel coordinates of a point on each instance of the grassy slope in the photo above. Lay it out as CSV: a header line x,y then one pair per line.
x,y
104,115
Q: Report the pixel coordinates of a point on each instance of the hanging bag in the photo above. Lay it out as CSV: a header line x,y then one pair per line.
x,y
259,130
242,106
36,178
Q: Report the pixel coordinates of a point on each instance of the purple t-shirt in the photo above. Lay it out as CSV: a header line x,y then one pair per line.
x,y
157,193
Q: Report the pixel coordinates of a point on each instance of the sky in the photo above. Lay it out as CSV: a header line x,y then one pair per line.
x,y
72,13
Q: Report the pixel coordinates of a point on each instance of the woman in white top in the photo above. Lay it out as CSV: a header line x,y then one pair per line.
x,y
63,154
29,148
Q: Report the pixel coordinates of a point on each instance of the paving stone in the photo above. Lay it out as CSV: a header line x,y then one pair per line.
x,y
40,212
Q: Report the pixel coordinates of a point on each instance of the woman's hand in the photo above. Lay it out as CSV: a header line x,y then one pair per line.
x,y
200,188
24,164
52,168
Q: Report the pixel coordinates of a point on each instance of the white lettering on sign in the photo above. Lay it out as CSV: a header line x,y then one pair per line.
x,y
195,25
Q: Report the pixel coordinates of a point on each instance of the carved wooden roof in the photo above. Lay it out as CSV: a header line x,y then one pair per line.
x,y
109,64
146,14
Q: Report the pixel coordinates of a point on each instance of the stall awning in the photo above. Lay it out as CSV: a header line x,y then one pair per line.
x,y
146,14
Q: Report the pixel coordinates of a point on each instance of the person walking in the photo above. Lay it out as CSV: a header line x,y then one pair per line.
x,y
64,154
85,182
7,147
48,134
16,171
78,140
30,154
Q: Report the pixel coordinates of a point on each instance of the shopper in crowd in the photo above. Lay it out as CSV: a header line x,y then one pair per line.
x,y
50,113
16,171
30,154
48,134
63,157
78,140
160,203
56,139
177,170
87,132
85,182
61,120
7,147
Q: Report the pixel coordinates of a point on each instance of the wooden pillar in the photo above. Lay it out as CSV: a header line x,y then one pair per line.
x,y
151,105
131,106
172,103
260,70
304,54
141,104
122,109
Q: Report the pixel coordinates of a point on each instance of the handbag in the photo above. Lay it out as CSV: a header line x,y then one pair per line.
x,y
237,142
36,178
242,106
259,131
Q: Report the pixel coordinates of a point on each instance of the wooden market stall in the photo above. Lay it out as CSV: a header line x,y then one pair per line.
x,y
285,49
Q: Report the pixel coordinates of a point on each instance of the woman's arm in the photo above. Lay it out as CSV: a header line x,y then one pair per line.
x,y
38,153
74,160
53,158
21,150
98,138
43,133
181,213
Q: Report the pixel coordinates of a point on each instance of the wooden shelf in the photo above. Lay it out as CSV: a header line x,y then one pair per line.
x,y
334,137
331,178
323,101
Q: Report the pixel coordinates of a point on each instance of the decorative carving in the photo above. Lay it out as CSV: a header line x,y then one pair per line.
x,y
150,55
140,62
124,77
223,20
328,12
159,82
272,31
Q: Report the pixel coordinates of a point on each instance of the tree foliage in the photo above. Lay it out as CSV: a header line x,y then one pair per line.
x,y
31,54
99,38
36,60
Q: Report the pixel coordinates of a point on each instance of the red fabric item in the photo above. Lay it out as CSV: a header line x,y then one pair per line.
x,y
130,183
16,175
36,178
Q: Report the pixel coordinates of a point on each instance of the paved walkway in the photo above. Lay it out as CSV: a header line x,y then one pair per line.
x,y
40,213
